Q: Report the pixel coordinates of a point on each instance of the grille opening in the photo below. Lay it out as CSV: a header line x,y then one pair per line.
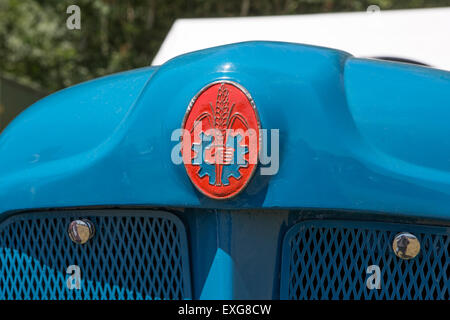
x,y
328,260
132,256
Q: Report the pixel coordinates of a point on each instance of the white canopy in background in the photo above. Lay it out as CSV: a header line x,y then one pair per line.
x,y
418,34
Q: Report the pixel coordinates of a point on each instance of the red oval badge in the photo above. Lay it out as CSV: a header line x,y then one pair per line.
x,y
222,139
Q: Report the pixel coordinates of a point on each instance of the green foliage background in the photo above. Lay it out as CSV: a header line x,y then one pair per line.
x,y
37,49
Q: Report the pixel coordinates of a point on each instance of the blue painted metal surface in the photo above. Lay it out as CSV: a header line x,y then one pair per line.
x,y
134,255
107,141
358,135
329,260
235,254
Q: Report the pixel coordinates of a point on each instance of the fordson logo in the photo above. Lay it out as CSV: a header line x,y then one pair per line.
x,y
221,153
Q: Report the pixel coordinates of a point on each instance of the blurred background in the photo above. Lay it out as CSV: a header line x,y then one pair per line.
x,y
39,54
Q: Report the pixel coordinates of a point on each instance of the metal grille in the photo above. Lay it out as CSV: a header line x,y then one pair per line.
x,y
132,256
329,260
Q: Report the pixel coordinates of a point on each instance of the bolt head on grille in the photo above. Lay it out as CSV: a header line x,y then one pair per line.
x,y
406,246
80,231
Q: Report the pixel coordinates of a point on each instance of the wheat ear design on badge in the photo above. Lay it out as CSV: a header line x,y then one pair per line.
x,y
222,118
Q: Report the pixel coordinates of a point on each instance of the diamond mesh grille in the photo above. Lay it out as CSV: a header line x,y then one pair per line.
x,y
329,259
132,256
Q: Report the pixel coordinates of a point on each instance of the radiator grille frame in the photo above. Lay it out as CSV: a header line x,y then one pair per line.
x,y
134,254
315,266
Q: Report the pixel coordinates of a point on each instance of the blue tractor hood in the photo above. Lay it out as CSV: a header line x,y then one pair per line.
x,y
354,134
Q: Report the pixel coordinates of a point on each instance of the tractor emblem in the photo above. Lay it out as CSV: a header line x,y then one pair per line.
x,y
223,139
